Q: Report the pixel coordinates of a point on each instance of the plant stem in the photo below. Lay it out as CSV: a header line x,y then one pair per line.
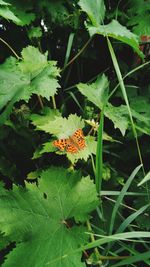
x,y
77,55
3,41
54,102
97,254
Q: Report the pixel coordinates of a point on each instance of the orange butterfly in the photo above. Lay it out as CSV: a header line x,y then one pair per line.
x,y
72,144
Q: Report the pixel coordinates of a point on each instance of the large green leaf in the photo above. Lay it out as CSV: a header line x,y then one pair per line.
x,y
94,9
36,218
115,30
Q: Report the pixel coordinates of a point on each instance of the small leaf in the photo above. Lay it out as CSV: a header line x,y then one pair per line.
x,y
94,9
119,116
96,92
8,14
35,32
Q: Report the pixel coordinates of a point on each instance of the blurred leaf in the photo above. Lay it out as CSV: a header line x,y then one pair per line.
x,y
35,32
6,13
94,9
23,10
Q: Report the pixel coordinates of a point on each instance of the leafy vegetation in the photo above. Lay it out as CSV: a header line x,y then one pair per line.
x,y
74,129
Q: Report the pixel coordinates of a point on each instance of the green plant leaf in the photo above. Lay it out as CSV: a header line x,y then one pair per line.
x,y
20,79
94,9
23,10
35,32
4,3
6,13
84,154
119,116
33,61
145,179
96,92
55,124
138,13
36,217
115,30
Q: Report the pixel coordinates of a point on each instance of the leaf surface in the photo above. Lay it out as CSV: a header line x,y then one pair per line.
x,y
36,218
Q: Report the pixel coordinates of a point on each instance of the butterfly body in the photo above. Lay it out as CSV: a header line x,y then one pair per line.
x,y
72,144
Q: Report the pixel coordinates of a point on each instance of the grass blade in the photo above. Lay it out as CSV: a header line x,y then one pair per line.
x,y
131,218
121,196
132,259
99,154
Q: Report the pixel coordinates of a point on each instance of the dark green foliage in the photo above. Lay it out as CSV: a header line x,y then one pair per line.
x,y
64,66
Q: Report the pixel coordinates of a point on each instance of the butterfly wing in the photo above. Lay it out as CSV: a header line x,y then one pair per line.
x,y
79,139
61,144
73,144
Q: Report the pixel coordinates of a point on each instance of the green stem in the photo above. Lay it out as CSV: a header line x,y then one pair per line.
x,y
54,102
10,48
97,254
78,54
99,154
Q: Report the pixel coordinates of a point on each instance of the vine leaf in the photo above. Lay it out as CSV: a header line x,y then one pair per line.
x,y
52,122
36,218
34,74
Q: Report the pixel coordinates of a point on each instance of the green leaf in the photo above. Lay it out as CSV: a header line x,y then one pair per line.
x,y
6,13
35,32
36,218
46,84
33,61
145,179
84,154
119,116
139,17
23,10
20,79
53,123
94,9
115,30
96,92
4,3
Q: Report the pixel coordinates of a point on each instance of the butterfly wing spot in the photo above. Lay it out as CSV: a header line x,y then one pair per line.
x,y
79,138
71,148
60,144
73,144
